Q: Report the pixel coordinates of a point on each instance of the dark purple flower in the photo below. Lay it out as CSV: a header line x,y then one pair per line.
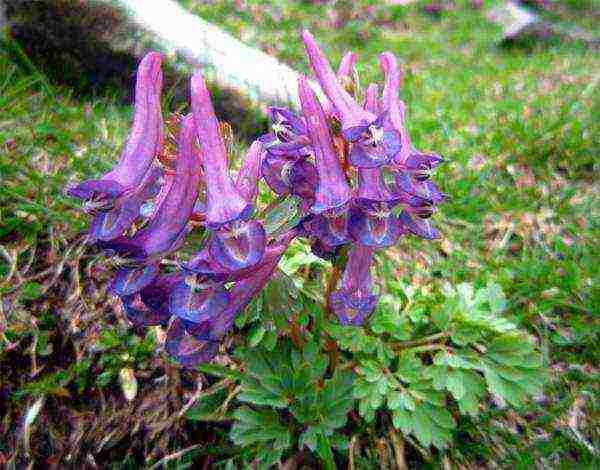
x,y
167,228
144,143
196,302
330,228
290,175
128,281
187,348
333,191
110,224
238,245
350,113
375,226
374,139
418,226
224,203
355,301
288,136
324,251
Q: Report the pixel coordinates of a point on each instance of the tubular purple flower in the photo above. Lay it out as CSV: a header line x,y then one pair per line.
x,y
347,65
290,175
349,112
354,301
289,136
372,188
417,226
238,245
167,228
330,229
224,203
333,190
110,224
196,303
144,143
247,178
372,102
375,227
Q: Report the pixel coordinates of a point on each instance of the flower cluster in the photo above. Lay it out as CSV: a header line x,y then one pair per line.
x,y
353,166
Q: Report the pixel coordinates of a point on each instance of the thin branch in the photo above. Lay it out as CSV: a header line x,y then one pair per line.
x,y
174,456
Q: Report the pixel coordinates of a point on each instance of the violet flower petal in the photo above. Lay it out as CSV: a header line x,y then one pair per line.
x,y
238,245
333,190
167,228
198,304
247,178
418,226
372,103
374,229
350,113
131,280
372,188
188,350
224,202
144,142
355,300
330,229
141,314
108,225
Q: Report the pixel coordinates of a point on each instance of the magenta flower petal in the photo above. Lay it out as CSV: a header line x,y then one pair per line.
x,y
375,228
247,178
347,65
224,202
198,303
238,245
333,190
350,113
132,280
144,143
421,164
425,190
187,349
418,226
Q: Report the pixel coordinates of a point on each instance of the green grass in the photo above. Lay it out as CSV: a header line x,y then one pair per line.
x,y
519,126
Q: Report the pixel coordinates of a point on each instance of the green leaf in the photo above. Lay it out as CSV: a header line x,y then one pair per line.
x,y
220,371
409,367
324,451
207,406
308,438
262,426
455,384
400,400
31,291
371,370
256,335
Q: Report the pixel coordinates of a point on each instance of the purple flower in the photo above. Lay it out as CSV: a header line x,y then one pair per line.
x,y
372,188
289,136
192,342
374,139
144,143
110,224
150,306
330,228
333,191
196,303
247,178
418,226
290,175
238,245
349,112
372,102
224,203
355,301
375,226
167,228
